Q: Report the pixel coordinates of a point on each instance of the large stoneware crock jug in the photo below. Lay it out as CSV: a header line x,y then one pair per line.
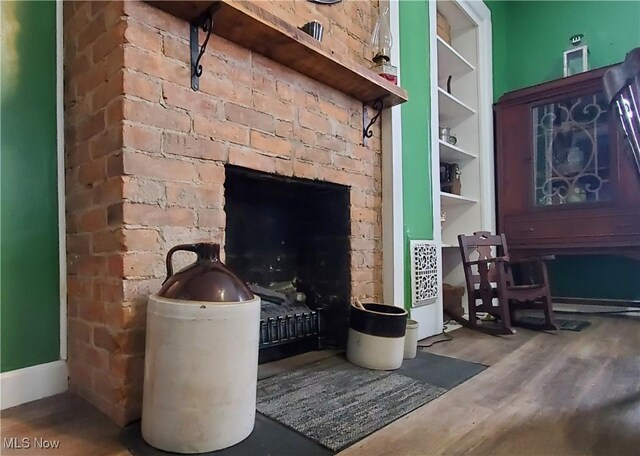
x,y
201,360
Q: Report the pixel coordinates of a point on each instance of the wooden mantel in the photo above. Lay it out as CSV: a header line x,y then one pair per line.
x,y
257,29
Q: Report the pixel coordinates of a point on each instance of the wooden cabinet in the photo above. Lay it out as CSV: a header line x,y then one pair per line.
x,y
565,182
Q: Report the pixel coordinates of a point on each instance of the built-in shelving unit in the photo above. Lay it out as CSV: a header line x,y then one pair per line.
x,y
464,104
257,29
461,99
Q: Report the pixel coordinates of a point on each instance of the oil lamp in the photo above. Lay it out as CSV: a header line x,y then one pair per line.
x,y
381,42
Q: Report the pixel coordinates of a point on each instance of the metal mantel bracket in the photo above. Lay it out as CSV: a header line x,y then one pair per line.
x,y
204,21
377,105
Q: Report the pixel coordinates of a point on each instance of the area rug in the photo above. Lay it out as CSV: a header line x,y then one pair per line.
x,y
432,375
336,403
564,324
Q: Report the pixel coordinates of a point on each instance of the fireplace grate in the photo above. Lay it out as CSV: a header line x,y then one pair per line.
x,y
289,328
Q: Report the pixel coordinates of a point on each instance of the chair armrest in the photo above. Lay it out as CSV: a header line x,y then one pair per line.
x,y
532,259
488,260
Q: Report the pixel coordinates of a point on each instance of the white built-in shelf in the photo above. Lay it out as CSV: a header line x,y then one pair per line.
x,y
450,61
457,17
451,110
449,199
453,154
467,111
450,248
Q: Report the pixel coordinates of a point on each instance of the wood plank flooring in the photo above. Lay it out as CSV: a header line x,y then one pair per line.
x,y
563,393
79,428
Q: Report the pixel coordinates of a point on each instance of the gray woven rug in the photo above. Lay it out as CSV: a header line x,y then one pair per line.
x,y
336,403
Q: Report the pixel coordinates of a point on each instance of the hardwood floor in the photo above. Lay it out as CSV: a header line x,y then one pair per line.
x,y
79,428
563,393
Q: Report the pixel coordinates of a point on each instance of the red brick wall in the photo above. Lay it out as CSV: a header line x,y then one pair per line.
x,y
93,61
145,164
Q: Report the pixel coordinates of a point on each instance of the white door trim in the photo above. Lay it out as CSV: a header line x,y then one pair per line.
x,y
429,317
485,112
392,198
62,226
36,382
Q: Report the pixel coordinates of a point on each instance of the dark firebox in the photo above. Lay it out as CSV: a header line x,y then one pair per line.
x,y
289,239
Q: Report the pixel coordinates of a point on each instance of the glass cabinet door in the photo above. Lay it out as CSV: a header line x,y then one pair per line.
x,y
572,162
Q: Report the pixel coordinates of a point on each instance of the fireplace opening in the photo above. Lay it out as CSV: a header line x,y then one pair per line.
x,y
289,239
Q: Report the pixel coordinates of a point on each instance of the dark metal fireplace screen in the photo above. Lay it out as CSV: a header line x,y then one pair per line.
x,y
289,328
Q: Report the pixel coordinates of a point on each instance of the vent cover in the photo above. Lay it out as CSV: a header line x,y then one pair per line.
x,y
424,273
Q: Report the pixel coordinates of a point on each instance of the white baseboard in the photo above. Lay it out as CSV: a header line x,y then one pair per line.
x,y
429,319
32,383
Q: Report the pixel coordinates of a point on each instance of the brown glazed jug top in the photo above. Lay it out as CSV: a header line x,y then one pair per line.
x,y
208,279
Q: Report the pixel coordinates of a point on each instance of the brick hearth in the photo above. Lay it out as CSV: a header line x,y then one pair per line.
x,y
145,160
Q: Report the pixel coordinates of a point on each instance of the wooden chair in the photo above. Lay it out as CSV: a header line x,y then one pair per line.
x,y
490,276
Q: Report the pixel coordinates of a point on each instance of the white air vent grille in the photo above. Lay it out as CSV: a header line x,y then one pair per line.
x,y
424,273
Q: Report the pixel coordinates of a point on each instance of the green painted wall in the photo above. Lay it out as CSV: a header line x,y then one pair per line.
x,y
29,295
416,150
499,41
530,36
528,40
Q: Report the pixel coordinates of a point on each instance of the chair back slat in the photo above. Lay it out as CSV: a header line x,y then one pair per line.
x,y
483,244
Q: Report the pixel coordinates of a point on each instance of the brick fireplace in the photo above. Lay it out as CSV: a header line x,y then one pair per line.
x,y
146,155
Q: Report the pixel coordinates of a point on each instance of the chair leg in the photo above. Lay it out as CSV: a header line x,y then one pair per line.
x,y
472,323
549,323
549,319
473,318
492,330
512,315
505,315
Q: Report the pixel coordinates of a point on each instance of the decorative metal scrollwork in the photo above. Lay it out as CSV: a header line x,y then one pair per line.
x,y
571,151
378,105
205,21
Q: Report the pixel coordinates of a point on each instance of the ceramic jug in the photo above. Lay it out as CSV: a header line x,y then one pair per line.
x,y
207,279
201,357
